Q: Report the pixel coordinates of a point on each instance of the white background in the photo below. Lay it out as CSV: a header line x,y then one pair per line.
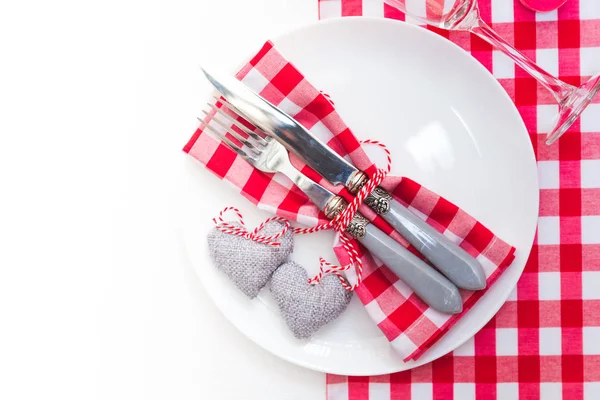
x,y
97,299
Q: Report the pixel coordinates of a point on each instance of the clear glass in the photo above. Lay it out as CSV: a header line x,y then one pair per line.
x,y
464,15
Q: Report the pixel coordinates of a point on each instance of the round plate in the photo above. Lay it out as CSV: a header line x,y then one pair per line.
x,y
449,125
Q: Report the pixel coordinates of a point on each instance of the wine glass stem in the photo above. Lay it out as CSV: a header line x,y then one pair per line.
x,y
559,89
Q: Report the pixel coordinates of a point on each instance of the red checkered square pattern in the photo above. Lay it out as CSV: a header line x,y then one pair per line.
x,y
545,341
409,324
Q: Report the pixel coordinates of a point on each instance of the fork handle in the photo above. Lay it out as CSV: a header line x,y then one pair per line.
x,y
427,283
454,262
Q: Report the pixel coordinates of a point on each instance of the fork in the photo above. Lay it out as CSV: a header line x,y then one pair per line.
x,y
268,155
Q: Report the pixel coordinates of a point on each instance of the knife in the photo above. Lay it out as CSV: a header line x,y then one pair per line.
x,y
454,262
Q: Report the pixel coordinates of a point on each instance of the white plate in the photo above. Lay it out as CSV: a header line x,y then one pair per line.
x,y
449,125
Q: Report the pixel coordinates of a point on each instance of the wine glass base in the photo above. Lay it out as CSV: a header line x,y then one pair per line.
x,y
572,106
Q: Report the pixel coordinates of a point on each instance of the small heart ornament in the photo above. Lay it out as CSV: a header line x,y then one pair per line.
x,y
305,307
247,263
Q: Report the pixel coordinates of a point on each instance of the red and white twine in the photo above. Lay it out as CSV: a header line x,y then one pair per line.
x,y
230,229
339,224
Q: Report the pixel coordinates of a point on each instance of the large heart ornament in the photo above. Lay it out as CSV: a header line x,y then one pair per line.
x,y
247,263
306,307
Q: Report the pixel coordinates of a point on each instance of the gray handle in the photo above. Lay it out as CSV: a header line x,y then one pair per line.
x,y
431,286
447,256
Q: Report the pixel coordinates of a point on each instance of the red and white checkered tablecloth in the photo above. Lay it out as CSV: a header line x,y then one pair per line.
x,y
545,341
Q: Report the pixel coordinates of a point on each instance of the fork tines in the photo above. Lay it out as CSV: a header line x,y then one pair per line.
x,y
250,145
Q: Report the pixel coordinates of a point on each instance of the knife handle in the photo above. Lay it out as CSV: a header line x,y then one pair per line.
x,y
427,283
454,262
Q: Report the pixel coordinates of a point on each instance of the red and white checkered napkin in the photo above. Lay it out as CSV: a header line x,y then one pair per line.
x,y
406,321
545,341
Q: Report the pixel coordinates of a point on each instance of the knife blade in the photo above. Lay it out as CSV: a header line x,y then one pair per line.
x,y
453,261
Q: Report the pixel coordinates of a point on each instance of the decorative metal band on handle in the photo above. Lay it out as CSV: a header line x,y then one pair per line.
x,y
356,181
335,206
357,227
379,200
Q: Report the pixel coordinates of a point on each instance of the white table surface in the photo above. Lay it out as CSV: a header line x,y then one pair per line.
x,y
97,298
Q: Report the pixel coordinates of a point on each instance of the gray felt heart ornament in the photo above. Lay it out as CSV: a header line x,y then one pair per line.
x,y
247,263
306,307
